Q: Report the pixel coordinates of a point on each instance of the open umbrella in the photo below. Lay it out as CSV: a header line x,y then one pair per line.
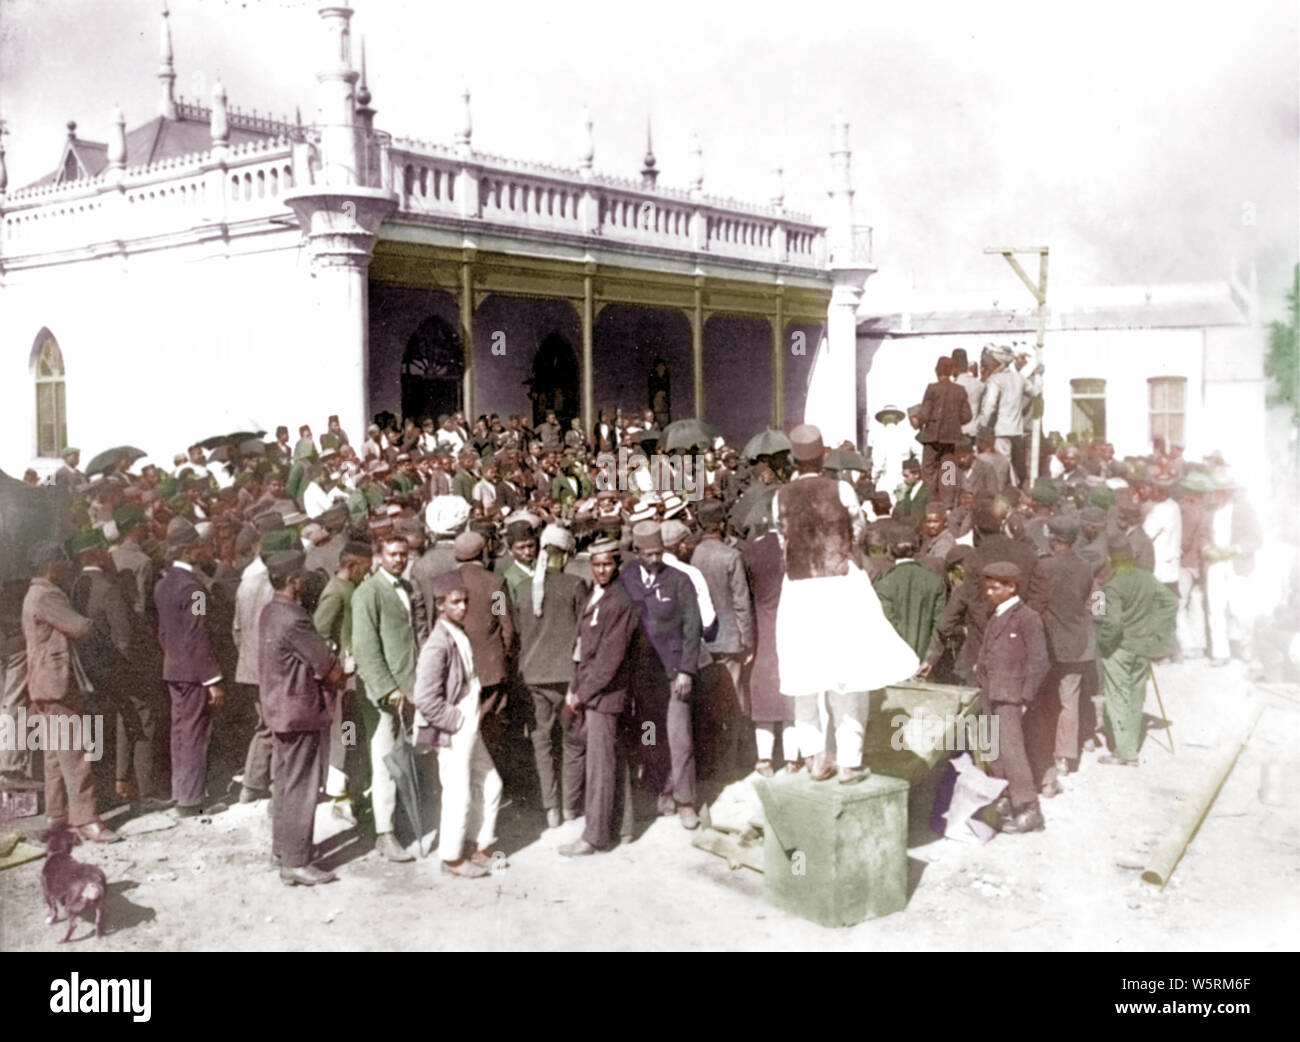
x,y
235,436
754,507
847,459
109,457
766,443
686,434
404,768
27,515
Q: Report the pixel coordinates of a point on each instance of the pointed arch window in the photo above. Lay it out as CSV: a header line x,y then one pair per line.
x,y
51,407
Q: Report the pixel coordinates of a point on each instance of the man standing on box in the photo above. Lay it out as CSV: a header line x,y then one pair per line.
x,y
297,673
190,668
664,674
1012,663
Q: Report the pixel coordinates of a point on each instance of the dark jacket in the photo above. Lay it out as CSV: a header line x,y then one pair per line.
x,y
293,662
608,637
1060,590
670,617
945,409
107,653
188,654
546,643
723,569
1013,658
488,624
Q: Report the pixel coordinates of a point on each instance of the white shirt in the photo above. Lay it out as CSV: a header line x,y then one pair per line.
x,y
1007,605
1164,524
451,439
708,614
398,585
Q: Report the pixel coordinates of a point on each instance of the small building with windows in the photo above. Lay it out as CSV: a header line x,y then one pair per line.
x,y
1180,362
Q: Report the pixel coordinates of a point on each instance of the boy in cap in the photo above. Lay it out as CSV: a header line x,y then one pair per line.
x,y
1012,663
299,674
1135,625
448,714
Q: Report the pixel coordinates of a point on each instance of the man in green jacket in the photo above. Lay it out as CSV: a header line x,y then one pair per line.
x,y
333,621
1135,622
466,476
383,643
911,595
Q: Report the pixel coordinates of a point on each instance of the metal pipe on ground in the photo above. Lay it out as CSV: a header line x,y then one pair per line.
x,y
1166,856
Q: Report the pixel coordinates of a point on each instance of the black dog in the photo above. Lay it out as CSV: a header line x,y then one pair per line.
x,y
75,885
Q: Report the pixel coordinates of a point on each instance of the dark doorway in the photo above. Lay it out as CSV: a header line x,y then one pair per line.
x,y
433,368
554,382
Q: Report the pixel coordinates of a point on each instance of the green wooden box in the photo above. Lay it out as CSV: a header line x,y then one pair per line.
x,y
835,854
936,727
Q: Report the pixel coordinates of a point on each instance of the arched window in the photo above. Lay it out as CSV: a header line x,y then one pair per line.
x,y
51,410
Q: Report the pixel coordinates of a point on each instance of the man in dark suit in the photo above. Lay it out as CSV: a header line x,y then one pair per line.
x,y
190,668
384,645
664,675
990,472
1011,665
1060,590
602,677
945,409
297,674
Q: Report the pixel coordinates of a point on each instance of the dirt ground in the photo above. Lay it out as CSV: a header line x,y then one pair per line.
x,y
208,885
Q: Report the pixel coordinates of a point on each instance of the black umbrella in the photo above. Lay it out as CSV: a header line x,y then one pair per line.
x,y
28,514
404,768
754,507
235,436
686,434
766,443
109,457
847,459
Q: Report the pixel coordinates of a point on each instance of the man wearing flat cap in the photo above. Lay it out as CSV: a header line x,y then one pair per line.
x,y
299,674
664,675
190,667
1060,590
1012,663
1134,625
51,628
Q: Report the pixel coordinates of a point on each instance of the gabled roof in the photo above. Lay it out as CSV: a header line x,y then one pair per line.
x,y
160,138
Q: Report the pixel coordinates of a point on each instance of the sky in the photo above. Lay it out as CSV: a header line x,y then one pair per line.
x,y
1144,142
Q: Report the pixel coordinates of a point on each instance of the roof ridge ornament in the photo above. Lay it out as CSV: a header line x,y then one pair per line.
x,y
166,68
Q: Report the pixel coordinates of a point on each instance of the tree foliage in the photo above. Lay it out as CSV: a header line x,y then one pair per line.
x,y
1283,362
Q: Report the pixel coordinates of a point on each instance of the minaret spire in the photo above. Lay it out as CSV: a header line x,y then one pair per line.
x,y
365,114
648,172
166,68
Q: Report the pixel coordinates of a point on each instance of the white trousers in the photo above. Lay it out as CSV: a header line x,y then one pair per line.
x,y
842,715
383,789
765,739
471,789
336,782
1191,614
1227,604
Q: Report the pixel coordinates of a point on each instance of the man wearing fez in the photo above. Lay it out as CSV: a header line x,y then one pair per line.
x,y
51,627
521,538
1134,625
1012,663
383,642
334,438
1060,590
298,673
664,674
448,713
190,668
603,659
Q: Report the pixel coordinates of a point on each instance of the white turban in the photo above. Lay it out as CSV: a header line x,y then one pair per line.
x,y
446,516
554,537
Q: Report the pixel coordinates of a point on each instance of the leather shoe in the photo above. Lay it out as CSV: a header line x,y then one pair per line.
x,y
1112,760
488,859
578,848
820,767
247,795
98,832
1002,807
553,818
305,875
387,845
686,814
853,775
666,805
1028,820
764,768
189,810
464,867
1062,768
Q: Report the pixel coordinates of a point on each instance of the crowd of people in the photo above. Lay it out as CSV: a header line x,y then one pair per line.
x,y
590,624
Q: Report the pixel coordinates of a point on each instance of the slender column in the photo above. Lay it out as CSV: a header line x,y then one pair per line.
x,y
588,352
697,347
778,361
467,334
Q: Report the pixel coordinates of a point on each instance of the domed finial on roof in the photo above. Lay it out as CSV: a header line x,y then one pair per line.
x,y
220,115
166,68
466,131
697,166
648,172
116,139
588,157
778,188
363,92
72,128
